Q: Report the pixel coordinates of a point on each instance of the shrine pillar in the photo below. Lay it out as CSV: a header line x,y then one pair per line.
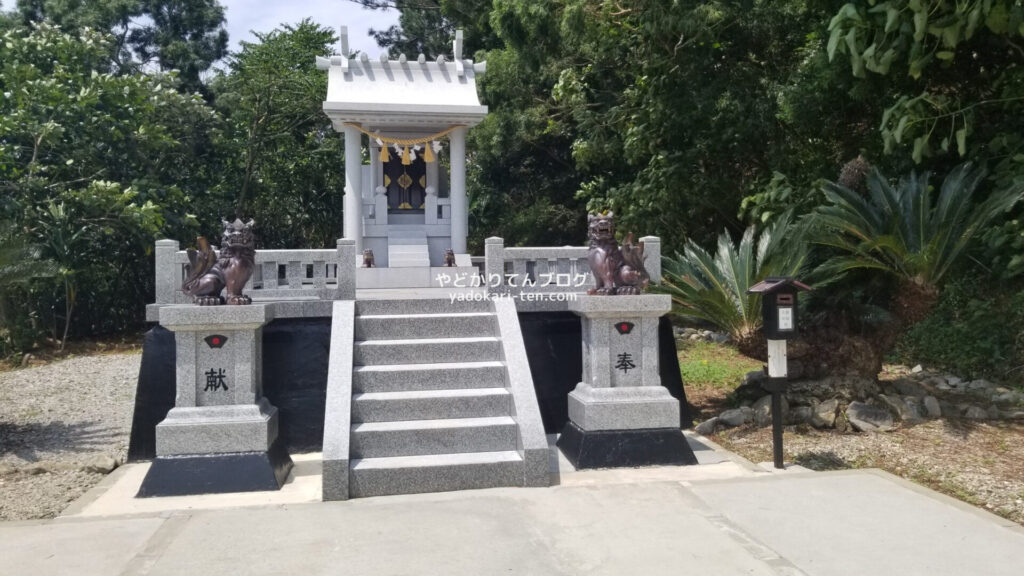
x,y
460,212
353,219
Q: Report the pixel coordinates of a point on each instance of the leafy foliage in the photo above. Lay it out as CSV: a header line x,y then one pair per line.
x,y
20,266
428,26
183,35
903,230
963,55
973,332
93,166
776,198
685,117
280,157
713,287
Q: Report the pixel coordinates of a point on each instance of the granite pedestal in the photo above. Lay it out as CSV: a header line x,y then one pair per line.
x,y
620,415
222,434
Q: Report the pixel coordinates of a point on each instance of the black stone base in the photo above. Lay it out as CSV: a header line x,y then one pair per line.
x,y
217,473
625,448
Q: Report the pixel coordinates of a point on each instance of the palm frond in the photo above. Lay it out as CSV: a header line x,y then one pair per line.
x,y
905,230
714,288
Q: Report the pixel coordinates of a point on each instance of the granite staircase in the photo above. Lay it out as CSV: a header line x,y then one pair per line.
x,y
408,249
441,400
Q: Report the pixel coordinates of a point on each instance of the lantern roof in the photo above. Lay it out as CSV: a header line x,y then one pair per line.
x,y
775,284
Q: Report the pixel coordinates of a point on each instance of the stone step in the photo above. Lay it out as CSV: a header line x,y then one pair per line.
x,y
406,237
434,473
423,437
426,350
430,404
407,249
407,326
396,262
439,376
421,306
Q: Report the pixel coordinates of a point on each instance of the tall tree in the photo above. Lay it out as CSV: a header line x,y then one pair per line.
x,y
184,35
282,161
93,166
668,113
953,75
428,26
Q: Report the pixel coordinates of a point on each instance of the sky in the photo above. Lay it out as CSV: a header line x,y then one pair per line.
x,y
264,15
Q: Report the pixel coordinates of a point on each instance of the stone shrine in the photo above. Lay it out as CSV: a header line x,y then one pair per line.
x,y
403,206
421,371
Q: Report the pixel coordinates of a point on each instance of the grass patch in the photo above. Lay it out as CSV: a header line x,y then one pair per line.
x,y
707,364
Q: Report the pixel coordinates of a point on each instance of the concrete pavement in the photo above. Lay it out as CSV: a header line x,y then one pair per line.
x,y
819,524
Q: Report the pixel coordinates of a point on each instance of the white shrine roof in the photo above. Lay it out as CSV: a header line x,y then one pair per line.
x,y
402,94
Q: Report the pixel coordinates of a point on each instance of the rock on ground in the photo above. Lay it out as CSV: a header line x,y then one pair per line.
x,y
800,415
62,427
707,427
975,413
824,413
867,418
736,417
763,410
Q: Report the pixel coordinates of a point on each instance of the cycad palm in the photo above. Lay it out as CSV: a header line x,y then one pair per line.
x,y
714,287
907,232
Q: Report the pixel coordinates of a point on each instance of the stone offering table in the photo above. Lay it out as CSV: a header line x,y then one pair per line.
x,y
620,415
221,436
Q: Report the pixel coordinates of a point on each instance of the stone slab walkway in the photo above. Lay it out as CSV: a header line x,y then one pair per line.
x,y
818,524
115,496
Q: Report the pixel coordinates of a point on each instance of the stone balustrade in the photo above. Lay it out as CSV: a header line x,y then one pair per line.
x,y
517,270
322,274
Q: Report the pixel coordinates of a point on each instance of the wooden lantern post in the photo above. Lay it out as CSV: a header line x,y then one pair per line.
x,y
779,308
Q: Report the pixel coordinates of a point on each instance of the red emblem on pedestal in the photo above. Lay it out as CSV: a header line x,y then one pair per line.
x,y
215,340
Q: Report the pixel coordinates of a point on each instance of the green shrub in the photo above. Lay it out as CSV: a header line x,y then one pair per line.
x,y
972,332
713,286
913,232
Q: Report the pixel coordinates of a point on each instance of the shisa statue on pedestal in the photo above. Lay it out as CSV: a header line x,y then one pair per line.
x,y
616,270
208,273
620,413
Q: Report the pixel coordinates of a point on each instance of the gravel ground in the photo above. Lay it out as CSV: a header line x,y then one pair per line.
x,y
63,426
981,463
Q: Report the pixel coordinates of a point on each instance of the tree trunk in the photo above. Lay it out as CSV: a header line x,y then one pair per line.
x,y
914,301
753,346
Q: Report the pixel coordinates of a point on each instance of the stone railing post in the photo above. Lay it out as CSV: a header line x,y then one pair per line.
x,y
494,264
652,257
168,275
346,269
